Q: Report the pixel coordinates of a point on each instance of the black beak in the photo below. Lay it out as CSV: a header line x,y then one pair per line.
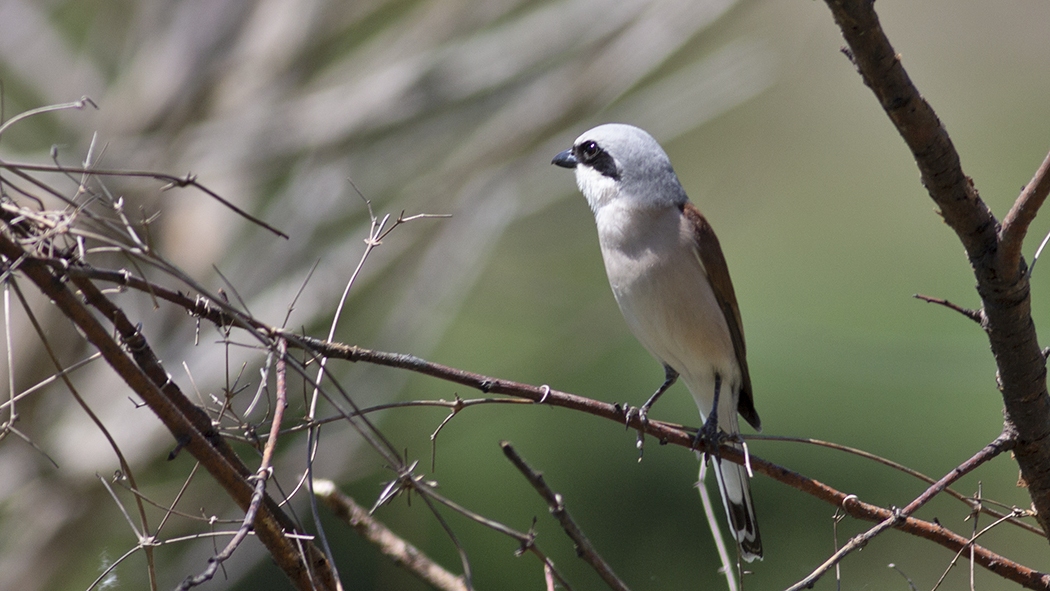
x,y
565,159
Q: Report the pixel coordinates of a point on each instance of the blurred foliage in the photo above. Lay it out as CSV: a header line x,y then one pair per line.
x,y
456,106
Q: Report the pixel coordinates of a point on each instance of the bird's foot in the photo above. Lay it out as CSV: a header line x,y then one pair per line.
x,y
709,437
642,414
632,412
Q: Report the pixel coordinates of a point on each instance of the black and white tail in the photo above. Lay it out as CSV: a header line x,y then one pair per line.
x,y
735,487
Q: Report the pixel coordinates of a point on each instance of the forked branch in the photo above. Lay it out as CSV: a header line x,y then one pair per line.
x,y
994,254
1017,221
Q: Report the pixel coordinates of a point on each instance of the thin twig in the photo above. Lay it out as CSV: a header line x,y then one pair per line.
x,y
975,315
527,540
83,102
389,544
584,548
911,584
52,379
407,481
134,361
261,476
189,180
727,569
975,505
1038,252
1000,444
13,414
955,559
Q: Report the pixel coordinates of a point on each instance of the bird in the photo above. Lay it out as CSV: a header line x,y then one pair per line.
x,y
671,282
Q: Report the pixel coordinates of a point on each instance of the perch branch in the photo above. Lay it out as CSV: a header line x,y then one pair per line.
x,y
667,433
664,432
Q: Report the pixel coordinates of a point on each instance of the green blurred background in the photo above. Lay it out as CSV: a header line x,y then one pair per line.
x,y
457,107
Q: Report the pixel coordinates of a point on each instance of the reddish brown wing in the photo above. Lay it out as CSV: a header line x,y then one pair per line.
x,y
714,262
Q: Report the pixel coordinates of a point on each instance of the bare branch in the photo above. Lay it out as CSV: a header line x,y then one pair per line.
x,y
83,102
1001,443
190,425
1017,221
390,544
584,548
976,535
667,433
261,476
1001,282
975,315
190,180
977,505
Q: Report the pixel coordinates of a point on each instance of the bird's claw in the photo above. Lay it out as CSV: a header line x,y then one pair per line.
x,y
642,414
710,437
632,412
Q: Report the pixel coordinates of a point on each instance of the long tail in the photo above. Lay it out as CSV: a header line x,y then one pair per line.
x,y
735,487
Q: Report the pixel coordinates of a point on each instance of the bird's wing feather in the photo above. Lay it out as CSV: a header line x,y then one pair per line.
x,y
710,253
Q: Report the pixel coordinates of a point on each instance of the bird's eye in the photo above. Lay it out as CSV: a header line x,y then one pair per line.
x,y
588,150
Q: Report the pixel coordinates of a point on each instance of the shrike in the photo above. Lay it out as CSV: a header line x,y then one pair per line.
x,y
669,277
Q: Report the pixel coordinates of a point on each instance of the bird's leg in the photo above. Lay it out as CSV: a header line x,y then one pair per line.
x,y
670,377
709,433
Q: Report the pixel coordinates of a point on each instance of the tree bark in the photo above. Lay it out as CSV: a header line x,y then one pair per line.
x,y
1001,273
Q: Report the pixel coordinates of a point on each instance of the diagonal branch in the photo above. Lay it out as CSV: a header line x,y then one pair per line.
x,y
995,258
975,315
1017,221
189,424
935,155
584,548
190,180
390,544
667,433
1000,444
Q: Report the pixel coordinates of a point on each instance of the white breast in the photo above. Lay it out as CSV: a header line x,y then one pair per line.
x,y
666,299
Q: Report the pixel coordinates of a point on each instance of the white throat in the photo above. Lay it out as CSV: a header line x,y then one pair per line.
x,y
597,188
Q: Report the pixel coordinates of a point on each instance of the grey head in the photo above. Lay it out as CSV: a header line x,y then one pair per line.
x,y
617,161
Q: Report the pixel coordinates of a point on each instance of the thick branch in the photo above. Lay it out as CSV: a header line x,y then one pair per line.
x,y
191,426
1016,222
1001,282
917,123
